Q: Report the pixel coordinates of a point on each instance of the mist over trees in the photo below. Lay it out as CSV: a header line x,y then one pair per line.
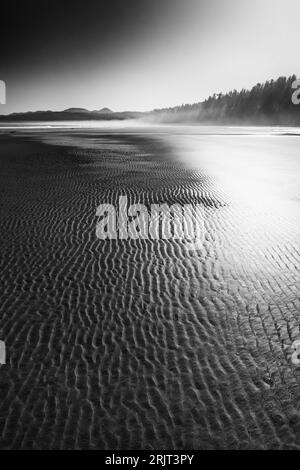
x,y
266,103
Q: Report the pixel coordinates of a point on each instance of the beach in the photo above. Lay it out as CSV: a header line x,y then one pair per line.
x,y
149,344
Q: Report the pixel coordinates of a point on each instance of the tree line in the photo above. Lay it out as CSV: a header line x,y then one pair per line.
x,y
266,103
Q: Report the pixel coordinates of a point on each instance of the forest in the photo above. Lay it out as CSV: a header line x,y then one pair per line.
x,y
268,103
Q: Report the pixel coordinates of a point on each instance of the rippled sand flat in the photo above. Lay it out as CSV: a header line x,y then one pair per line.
x,y
145,344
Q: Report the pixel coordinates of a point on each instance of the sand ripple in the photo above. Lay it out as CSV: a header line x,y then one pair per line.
x,y
139,344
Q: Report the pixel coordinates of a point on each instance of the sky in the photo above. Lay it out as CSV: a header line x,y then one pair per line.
x,y
141,54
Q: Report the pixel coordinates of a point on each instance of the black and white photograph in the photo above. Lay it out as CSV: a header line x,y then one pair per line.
x,y
150,228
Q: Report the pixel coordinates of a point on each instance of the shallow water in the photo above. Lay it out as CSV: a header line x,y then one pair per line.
x,y
143,343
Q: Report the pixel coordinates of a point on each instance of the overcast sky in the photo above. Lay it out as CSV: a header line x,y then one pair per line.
x,y
141,54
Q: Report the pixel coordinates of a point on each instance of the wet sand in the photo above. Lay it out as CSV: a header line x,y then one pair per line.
x,y
140,344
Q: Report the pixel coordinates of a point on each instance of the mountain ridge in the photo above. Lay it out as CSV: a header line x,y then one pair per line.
x,y
268,103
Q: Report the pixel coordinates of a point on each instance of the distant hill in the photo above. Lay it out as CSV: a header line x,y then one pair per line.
x,y
70,114
269,103
83,110
76,110
105,110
